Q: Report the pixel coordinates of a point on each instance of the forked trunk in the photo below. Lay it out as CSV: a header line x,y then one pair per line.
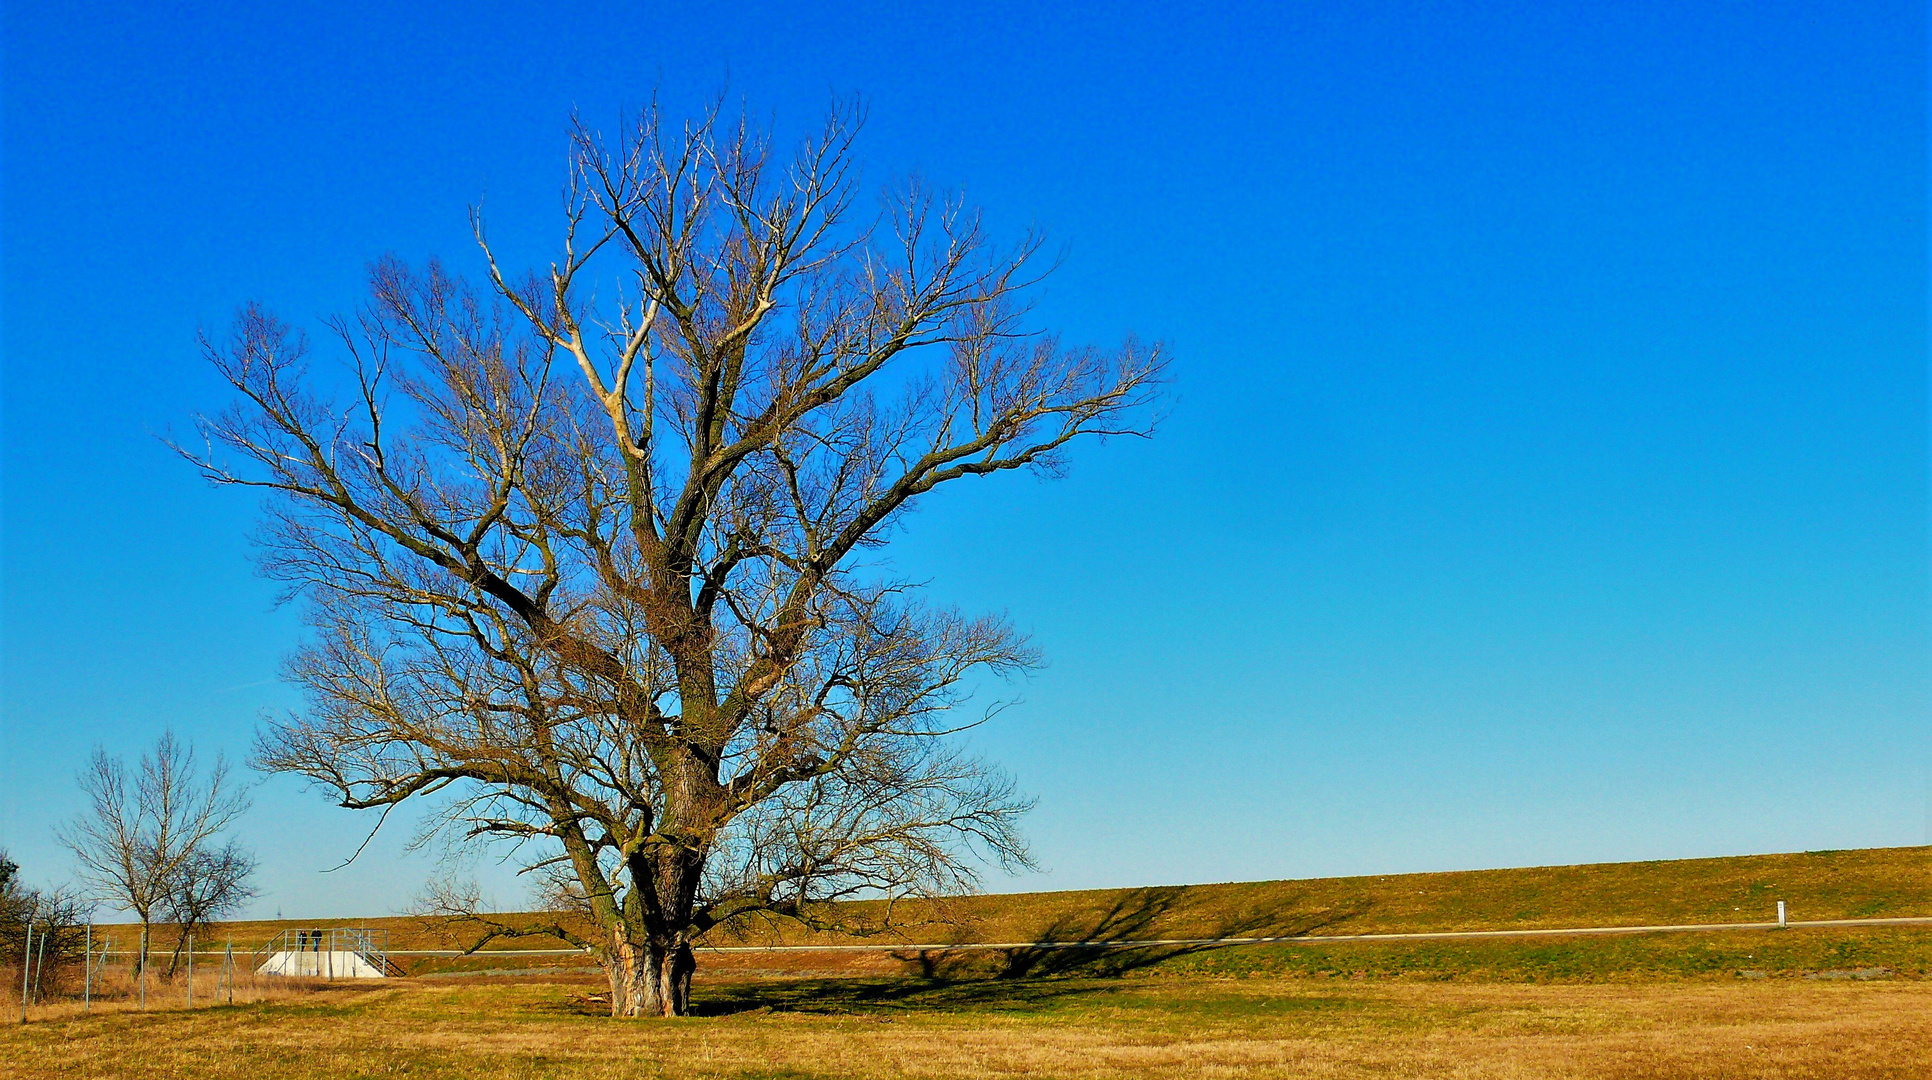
x,y
648,953
651,978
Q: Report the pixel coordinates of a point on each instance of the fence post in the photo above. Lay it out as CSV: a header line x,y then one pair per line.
x,y
40,966
142,961
1781,921
191,971
26,955
87,970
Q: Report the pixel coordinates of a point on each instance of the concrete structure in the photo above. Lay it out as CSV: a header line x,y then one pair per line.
x,y
331,953
333,964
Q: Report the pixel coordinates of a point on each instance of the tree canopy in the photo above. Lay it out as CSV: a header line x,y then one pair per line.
x,y
583,549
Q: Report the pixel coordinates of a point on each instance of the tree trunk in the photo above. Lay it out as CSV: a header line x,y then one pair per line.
x,y
624,966
174,958
674,967
649,979
648,957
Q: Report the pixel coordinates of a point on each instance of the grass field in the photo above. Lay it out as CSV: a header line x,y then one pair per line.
x,y
1801,1002
1076,1028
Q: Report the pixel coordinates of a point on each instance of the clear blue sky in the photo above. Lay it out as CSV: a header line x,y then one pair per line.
x,y
1547,480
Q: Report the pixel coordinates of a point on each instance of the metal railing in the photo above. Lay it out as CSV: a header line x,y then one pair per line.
x,y
323,953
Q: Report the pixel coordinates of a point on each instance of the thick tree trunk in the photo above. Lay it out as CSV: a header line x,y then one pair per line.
x,y
648,958
674,965
649,979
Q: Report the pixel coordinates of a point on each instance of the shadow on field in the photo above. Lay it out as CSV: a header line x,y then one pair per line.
x,y
849,995
1060,963
1107,946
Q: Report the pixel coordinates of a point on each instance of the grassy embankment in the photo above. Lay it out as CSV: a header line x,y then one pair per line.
x,y
1873,883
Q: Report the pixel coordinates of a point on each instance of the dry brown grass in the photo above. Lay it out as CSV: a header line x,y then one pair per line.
x,y
1063,1028
115,991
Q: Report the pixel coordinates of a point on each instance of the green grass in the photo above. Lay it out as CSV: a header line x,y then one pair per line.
x,y
1905,952
1818,885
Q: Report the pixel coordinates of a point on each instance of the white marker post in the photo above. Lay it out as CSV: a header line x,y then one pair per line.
x,y
26,955
1781,922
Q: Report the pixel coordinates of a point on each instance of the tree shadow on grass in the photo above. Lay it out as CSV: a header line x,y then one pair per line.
x,y
886,996
1072,958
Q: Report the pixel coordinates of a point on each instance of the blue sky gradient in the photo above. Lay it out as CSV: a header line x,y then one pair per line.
x,y
1546,479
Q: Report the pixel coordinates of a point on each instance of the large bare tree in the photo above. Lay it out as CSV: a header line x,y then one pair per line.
x,y
586,548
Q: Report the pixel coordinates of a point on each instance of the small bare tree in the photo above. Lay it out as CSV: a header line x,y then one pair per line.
x,y
58,935
210,884
583,550
17,904
142,837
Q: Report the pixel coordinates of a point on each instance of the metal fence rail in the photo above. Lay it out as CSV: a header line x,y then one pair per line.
x,y
372,943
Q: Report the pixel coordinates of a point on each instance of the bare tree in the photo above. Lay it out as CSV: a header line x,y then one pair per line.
x,y
210,884
142,835
58,935
584,550
17,904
